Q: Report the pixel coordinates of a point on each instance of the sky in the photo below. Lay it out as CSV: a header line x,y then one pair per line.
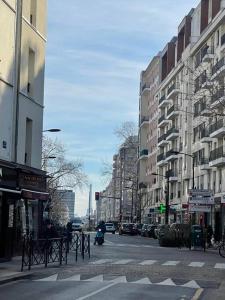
x,y
96,51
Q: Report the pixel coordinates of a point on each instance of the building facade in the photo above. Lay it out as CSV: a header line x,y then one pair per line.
x,y
190,99
67,198
22,62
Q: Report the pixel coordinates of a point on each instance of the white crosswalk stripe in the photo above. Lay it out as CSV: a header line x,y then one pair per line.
x,y
191,284
96,278
72,278
143,281
196,264
49,278
148,262
219,266
101,261
122,261
171,263
168,281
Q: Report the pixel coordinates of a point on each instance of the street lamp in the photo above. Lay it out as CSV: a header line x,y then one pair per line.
x,y
52,130
193,165
167,195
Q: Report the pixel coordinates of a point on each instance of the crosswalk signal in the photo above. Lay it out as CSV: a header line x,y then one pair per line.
x,y
97,196
162,208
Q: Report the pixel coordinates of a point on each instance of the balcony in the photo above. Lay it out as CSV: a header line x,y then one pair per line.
x,y
204,164
163,101
144,154
163,121
172,134
217,129
171,156
162,140
172,112
217,157
218,69
173,91
144,121
222,42
161,160
205,137
145,87
173,176
207,54
218,99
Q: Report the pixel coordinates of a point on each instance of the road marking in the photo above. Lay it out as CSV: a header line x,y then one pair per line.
x,y
143,281
219,266
72,278
96,278
196,264
168,281
107,241
101,261
49,278
148,262
122,261
191,284
171,263
120,279
197,294
97,292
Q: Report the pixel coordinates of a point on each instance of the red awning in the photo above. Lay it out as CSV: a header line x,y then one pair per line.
x,y
34,195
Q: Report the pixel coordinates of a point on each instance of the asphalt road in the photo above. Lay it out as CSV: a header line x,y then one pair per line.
x,y
128,267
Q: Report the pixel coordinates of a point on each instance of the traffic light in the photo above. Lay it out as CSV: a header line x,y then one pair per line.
x,y
162,208
97,196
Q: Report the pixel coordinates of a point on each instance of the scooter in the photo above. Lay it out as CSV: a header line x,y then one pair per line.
x,y
99,237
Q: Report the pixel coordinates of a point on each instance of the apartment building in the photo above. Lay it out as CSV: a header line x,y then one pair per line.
x,y
148,122
22,62
191,118
118,202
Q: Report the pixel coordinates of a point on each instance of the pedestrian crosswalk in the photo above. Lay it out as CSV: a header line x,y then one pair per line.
x,y
194,284
169,263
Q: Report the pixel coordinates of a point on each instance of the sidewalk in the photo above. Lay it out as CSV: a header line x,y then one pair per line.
x,y
11,271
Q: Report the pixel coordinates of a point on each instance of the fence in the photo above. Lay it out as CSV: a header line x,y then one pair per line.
x,y
55,250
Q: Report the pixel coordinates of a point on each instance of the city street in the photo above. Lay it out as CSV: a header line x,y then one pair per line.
x,y
127,267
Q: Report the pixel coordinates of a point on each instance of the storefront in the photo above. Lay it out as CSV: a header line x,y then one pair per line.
x,y
22,194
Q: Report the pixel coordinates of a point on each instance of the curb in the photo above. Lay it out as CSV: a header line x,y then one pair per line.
x,y
15,278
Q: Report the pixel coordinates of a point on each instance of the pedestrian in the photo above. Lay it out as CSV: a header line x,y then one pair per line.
x,y
50,231
209,235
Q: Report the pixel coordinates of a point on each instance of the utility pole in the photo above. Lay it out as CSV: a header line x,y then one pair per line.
x,y
89,206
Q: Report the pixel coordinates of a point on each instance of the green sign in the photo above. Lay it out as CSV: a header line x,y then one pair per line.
x,y
162,208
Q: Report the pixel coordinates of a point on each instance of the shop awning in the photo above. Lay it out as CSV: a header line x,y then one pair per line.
x,y
34,195
10,191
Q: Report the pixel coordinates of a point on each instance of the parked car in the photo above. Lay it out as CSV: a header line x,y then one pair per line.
x,y
139,227
128,228
77,224
151,231
110,228
144,230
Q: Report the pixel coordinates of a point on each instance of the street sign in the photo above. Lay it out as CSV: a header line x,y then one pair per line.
x,y
199,208
203,197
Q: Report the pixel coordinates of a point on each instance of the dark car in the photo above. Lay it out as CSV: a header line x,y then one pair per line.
x,y
128,228
151,231
139,228
144,230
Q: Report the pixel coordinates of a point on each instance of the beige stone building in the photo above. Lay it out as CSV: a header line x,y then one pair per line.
x,y
22,64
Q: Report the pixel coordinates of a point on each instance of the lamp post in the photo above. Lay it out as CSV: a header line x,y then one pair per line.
x,y
167,176
193,166
52,130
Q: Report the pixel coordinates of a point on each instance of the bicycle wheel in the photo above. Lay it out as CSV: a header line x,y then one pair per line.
x,y
222,250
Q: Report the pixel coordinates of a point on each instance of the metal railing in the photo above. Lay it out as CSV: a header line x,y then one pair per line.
x,y
218,65
162,137
144,119
214,127
162,118
54,250
217,153
219,94
172,130
173,87
160,157
222,39
171,152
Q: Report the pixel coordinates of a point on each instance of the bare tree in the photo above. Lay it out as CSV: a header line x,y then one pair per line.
x,y
62,174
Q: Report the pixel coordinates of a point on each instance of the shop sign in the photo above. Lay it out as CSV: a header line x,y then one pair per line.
x,y
203,197
199,208
11,216
32,182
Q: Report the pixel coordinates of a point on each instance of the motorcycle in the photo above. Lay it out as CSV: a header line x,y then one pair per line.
x,y
99,238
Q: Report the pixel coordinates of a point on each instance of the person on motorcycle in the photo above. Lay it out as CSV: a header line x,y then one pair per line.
x,y
101,226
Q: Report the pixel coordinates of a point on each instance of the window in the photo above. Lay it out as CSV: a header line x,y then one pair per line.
x,y
28,142
31,72
217,37
33,12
